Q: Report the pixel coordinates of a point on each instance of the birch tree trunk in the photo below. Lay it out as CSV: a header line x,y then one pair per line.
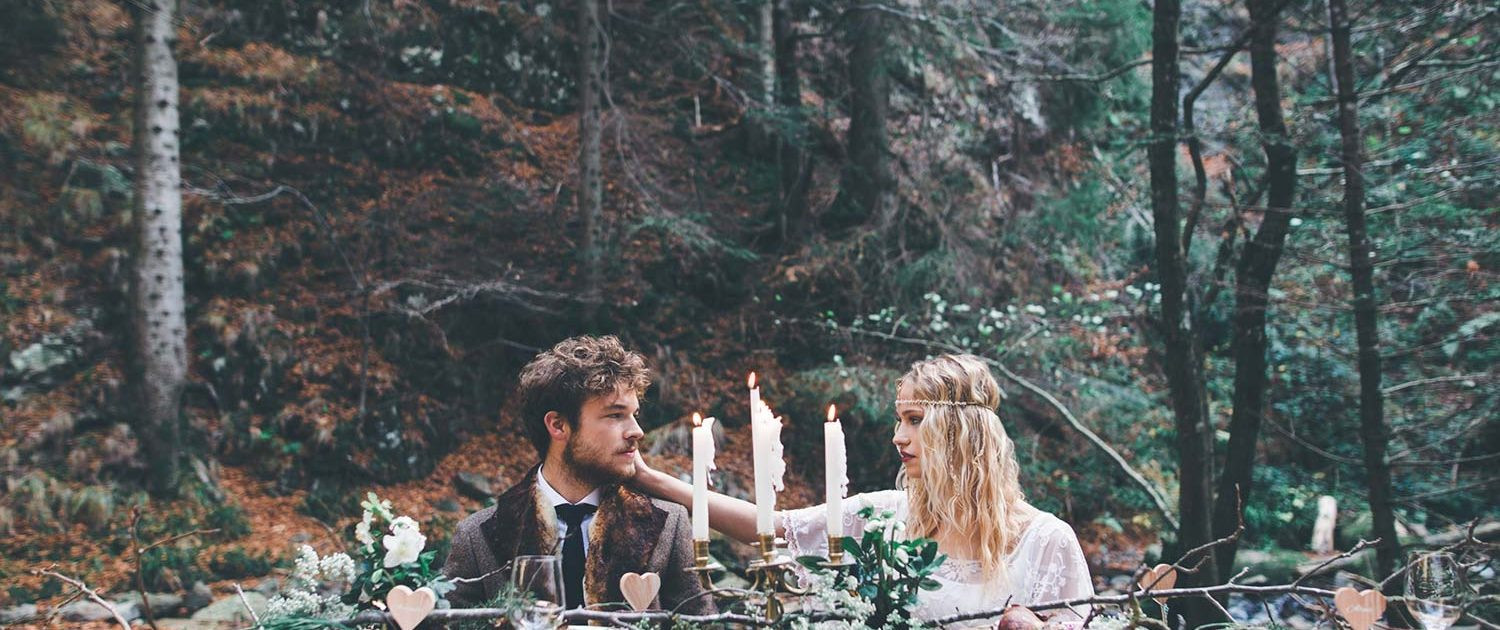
x,y
590,188
158,320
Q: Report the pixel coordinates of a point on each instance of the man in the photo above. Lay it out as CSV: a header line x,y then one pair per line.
x,y
578,404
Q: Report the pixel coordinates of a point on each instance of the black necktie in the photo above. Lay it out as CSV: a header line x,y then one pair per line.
x,y
572,552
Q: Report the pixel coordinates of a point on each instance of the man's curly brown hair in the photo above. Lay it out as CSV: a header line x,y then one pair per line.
x,y
573,371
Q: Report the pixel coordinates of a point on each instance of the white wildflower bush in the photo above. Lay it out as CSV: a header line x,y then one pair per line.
x,y
390,551
315,587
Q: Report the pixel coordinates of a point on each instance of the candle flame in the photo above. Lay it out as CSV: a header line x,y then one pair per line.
x,y
697,419
752,380
832,413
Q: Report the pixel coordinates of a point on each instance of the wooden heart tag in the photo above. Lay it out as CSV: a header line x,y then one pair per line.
x,y
1160,578
640,589
410,607
1359,608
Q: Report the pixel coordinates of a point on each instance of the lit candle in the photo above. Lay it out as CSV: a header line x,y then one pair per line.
x,y
765,433
703,461
835,464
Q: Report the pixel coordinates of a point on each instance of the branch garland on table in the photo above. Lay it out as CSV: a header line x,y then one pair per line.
x,y
846,600
879,589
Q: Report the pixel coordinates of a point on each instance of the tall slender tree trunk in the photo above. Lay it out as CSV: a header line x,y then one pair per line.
x,y
793,169
766,45
761,133
1183,365
158,319
590,188
868,187
1372,428
1253,282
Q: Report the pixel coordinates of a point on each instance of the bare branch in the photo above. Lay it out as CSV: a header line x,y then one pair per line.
x,y
1480,376
1363,544
84,588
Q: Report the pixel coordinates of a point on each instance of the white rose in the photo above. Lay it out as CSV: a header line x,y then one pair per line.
x,y
402,547
403,522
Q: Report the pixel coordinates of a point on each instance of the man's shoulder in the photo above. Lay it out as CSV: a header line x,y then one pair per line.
x,y
473,521
676,514
672,509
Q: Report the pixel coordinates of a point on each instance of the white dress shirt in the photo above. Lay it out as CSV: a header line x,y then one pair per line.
x,y
554,499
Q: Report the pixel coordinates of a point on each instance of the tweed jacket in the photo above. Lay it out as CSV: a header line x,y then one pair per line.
x,y
631,532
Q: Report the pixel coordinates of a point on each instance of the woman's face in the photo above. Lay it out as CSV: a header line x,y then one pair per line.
x,y
907,439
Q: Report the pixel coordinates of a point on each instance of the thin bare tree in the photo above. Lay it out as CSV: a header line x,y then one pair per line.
x,y
158,320
1372,427
590,184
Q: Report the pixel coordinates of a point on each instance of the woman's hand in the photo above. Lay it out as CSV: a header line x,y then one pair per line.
x,y
646,479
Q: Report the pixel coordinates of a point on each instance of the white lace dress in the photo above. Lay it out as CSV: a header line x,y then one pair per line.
x,y
1047,564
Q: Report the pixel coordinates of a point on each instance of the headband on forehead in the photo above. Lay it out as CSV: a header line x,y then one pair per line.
x,y
939,403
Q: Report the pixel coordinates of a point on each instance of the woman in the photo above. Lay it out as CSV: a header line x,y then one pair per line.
x,y
959,486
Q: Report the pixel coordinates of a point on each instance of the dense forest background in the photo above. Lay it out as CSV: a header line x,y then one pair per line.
x,y
386,212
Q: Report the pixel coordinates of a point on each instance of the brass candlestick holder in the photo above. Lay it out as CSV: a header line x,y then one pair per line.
x,y
772,577
704,564
837,561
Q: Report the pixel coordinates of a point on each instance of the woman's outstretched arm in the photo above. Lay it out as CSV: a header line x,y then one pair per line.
x,y
733,517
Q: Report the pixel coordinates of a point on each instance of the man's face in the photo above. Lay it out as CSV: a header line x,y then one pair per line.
x,y
602,448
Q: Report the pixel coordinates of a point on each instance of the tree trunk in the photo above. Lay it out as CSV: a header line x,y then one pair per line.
x,y
867,189
1182,362
766,48
158,319
590,188
1253,282
1372,428
793,169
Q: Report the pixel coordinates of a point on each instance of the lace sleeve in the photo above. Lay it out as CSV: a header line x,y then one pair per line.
x,y
806,529
1058,571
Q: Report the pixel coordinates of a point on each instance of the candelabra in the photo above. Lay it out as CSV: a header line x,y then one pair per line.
x,y
704,564
772,571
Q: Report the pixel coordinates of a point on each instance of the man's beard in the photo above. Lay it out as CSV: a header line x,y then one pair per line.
x,y
584,464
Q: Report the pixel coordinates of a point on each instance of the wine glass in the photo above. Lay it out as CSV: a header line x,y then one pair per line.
x,y
538,579
1432,589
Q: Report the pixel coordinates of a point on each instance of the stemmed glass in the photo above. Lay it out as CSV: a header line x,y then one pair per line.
x,y
538,579
1433,589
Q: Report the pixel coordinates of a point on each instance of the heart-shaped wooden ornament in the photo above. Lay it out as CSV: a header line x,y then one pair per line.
x,y
1159,578
1359,608
640,589
409,607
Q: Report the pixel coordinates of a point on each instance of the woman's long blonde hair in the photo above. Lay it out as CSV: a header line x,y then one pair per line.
x,y
969,483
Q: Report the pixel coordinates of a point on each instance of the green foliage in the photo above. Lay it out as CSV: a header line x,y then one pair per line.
x,y
298,623
168,568
1115,32
509,599
863,395
1282,507
1074,226
891,572
30,30
237,563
